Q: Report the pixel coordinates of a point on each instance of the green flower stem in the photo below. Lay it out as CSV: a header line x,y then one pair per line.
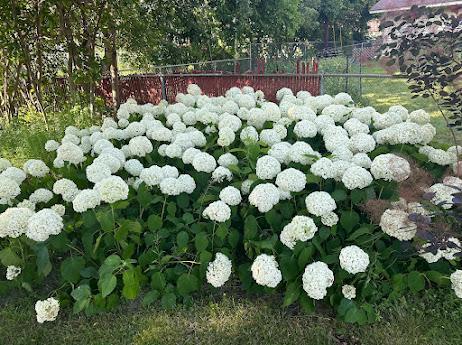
x,y
213,233
163,208
201,198
381,191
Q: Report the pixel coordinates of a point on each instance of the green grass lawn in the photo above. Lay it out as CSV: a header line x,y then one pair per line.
x,y
383,93
229,319
435,318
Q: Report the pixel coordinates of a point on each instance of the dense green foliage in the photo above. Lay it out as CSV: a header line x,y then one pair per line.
x,y
83,40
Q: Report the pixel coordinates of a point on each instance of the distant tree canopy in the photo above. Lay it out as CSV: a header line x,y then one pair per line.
x,y
81,39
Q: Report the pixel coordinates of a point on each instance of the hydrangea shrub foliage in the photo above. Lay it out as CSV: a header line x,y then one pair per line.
x,y
304,198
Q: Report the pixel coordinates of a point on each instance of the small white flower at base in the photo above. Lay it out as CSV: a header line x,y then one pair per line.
x,y
316,279
47,310
353,259
265,271
245,186
12,272
219,270
349,291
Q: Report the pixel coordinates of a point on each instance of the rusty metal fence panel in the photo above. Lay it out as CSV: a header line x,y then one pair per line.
x,y
148,88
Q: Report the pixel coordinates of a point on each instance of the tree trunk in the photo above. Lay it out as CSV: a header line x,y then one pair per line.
x,y
326,33
5,100
67,34
114,68
39,72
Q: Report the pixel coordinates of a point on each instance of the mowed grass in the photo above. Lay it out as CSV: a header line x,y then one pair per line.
x,y
431,319
383,93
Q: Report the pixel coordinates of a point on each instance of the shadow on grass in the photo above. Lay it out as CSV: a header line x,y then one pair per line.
x,y
231,319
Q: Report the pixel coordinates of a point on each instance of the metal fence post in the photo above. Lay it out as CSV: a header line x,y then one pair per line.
x,y
321,87
361,70
163,87
250,56
347,71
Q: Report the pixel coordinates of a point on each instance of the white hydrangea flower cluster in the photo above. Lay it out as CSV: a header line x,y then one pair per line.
x,y
443,192
231,195
439,156
219,270
390,167
349,291
406,133
396,223
43,224
36,168
41,195
356,177
353,259
265,271
66,188
9,189
86,199
221,174
316,279
267,167
47,310
217,211
12,272
264,197
14,221
291,180
15,174
301,228
320,203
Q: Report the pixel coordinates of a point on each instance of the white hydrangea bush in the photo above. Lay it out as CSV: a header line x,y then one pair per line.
x,y
162,199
